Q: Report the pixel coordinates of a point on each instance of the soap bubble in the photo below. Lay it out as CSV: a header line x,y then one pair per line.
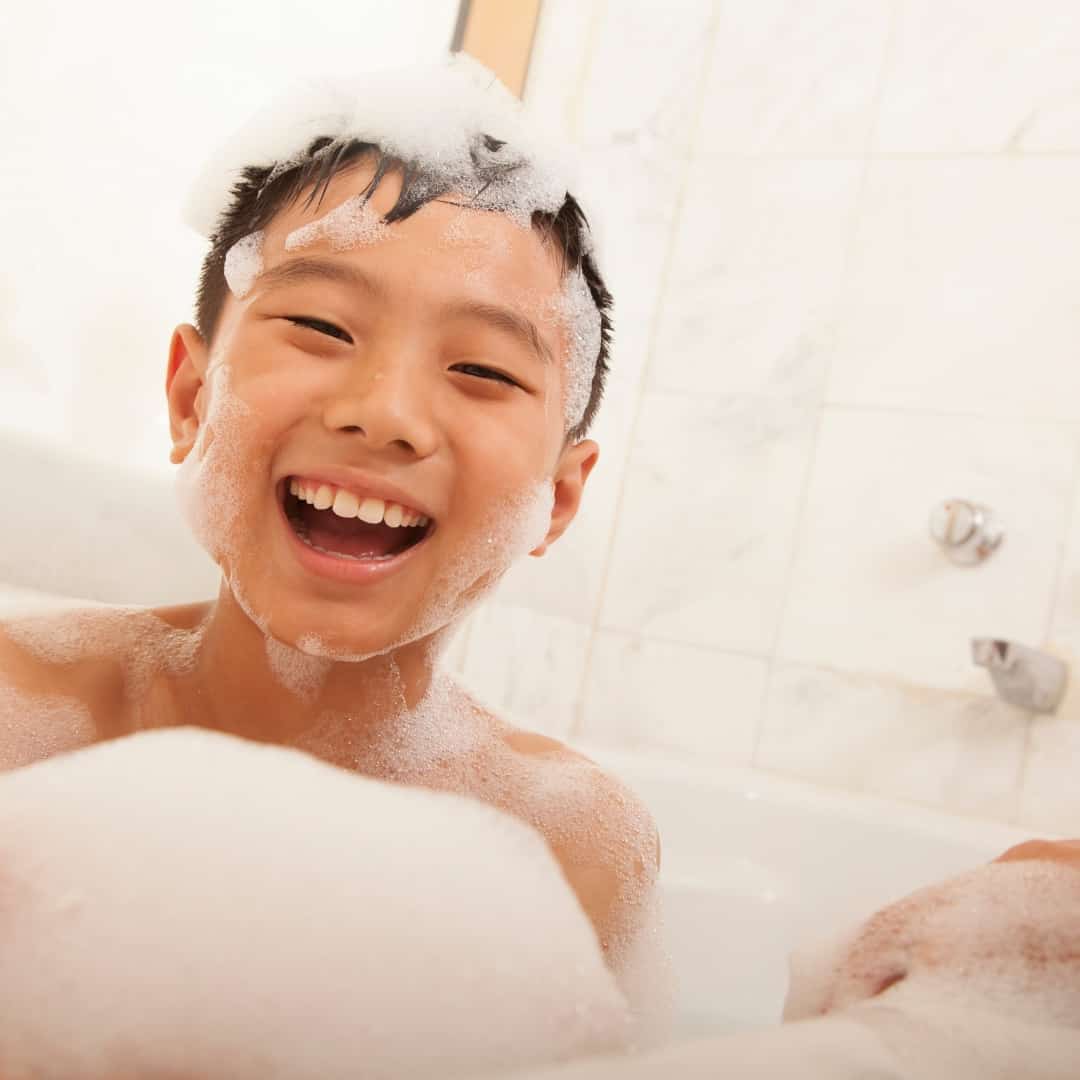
x,y
187,903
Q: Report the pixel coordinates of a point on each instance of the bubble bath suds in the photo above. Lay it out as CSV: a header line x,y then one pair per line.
x,y
243,264
448,742
454,121
150,929
346,226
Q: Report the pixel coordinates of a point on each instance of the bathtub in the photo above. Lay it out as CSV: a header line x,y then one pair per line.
x,y
755,864
752,864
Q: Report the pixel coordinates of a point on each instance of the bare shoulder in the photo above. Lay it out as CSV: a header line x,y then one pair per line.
x,y
53,696
599,829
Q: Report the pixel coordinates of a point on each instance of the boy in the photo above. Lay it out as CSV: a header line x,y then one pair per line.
x,y
401,340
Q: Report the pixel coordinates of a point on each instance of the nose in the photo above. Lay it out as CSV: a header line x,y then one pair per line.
x,y
384,404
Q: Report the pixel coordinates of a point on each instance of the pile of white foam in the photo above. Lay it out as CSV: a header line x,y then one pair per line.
x,y
431,115
983,983
438,117
186,903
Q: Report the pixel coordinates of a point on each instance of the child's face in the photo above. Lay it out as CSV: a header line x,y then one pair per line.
x,y
401,381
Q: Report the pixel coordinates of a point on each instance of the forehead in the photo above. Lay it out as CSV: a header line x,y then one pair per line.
x,y
445,247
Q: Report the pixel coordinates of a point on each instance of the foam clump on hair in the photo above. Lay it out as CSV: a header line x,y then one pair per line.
x,y
451,119
188,903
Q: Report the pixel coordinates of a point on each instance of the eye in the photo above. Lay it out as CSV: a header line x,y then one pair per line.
x,y
482,372
321,327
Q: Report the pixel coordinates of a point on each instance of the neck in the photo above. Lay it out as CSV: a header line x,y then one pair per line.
x,y
248,684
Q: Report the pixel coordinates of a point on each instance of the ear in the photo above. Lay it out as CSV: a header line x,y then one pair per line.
x,y
184,381
573,470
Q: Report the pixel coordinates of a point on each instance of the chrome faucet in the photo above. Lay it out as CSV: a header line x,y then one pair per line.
x,y
1026,677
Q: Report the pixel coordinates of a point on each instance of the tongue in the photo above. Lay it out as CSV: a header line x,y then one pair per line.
x,y
350,536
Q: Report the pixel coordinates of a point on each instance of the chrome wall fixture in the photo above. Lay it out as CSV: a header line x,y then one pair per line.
x,y
968,532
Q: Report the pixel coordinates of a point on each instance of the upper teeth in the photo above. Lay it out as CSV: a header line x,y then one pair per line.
x,y
347,505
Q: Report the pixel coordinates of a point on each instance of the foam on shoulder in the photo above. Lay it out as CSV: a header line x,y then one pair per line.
x,y
191,902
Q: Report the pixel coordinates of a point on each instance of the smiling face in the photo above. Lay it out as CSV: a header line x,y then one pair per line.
x,y
415,379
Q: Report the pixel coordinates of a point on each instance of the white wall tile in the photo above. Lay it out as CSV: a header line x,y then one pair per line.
x,y
681,698
644,80
756,276
973,76
1051,795
705,533
894,739
794,78
871,591
525,666
963,289
559,63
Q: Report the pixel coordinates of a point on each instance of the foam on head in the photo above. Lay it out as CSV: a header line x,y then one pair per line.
x,y
434,116
454,121
150,930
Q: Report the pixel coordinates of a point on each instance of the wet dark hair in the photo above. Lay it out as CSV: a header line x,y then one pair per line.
x,y
262,192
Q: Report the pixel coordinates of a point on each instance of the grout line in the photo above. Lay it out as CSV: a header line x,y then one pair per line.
x,y
643,376
888,155
850,406
1070,525
808,474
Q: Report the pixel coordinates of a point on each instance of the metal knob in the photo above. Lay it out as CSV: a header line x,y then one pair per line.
x,y
968,532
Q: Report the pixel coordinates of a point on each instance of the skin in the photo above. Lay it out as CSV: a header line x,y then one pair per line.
x,y
387,391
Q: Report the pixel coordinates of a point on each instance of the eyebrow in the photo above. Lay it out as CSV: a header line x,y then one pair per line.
x,y
294,271
309,268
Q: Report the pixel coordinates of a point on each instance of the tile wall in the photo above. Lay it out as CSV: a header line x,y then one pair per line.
x,y
844,242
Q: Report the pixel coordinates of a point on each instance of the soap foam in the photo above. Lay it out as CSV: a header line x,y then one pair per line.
x,y
187,903
453,122
34,727
210,482
244,263
143,644
299,672
448,742
434,117
579,316
346,226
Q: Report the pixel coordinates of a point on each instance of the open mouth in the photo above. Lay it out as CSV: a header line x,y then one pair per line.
x,y
346,526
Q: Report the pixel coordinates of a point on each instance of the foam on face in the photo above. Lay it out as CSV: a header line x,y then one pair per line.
x,y
244,263
581,319
149,928
346,226
512,527
209,483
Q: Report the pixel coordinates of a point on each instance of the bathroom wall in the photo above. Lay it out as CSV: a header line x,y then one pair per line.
x,y
110,109
844,242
